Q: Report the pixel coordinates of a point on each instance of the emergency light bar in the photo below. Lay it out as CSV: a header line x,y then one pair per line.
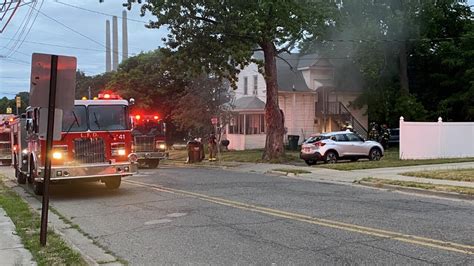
x,y
109,96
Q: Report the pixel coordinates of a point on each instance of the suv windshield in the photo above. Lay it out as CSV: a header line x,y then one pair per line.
x,y
108,117
75,120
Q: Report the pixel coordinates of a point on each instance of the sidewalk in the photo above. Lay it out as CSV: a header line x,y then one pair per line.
x,y
319,173
12,251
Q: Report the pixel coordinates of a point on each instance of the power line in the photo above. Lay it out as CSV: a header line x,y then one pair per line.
x,y
15,48
58,45
14,60
100,13
69,28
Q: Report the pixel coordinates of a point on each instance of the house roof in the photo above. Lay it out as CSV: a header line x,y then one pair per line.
x,y
346,78
249,103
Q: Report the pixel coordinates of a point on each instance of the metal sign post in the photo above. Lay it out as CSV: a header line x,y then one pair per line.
x,y
48,73
49,147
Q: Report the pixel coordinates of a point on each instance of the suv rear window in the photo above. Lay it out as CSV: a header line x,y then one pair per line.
x,y
315,138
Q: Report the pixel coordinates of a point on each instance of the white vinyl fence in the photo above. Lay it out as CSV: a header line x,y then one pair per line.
x,y
430,140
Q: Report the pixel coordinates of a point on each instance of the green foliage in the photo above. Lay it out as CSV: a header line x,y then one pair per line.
x,y
96,83
438,38
5,103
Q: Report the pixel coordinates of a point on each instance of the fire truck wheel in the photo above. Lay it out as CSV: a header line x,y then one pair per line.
x,y
38,188
153,163
32,175
20,177
113,183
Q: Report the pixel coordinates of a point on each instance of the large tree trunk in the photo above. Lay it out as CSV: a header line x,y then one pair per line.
x,y
403,71
274,117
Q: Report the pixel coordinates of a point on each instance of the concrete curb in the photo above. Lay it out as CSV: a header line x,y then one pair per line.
x,y
416,190
91,253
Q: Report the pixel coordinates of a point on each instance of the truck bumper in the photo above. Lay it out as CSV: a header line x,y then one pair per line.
x,y
89,172
152,155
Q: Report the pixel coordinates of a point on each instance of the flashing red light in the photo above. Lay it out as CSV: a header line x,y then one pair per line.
x,y
156,117
109,96
137,117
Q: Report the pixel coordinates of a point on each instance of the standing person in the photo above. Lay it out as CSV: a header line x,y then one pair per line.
x,y
385,136
374,132
212,146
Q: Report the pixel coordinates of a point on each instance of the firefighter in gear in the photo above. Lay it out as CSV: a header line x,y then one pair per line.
x,y
212,146
385,136
374,133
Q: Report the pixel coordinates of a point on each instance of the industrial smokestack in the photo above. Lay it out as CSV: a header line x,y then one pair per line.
x,y
124,36
114,43
108,58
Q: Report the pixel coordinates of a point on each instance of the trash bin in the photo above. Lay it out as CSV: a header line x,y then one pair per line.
x,y
195,152
293,142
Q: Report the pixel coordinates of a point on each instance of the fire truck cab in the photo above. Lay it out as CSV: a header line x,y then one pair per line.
x,y
95,145
5,145
149,139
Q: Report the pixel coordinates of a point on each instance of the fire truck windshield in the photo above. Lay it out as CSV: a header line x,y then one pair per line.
x,y
108,117
149,127
75,120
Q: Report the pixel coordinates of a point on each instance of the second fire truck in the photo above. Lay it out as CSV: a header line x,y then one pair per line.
x,y
95,144
149,139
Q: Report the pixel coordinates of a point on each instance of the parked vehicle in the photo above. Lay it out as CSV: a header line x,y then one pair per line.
x,y
333,146
394,140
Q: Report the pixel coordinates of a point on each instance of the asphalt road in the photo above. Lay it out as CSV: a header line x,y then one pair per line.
x,y
210,216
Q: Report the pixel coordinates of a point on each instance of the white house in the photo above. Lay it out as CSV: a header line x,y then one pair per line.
x,y
314,95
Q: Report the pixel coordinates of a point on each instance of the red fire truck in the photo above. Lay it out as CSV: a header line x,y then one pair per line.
x,y
5,145
95,145
149,139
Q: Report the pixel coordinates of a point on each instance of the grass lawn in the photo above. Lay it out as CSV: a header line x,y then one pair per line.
x,y
453,174
391,159
27,223
445,188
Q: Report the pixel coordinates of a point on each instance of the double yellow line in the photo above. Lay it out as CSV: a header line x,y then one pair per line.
x,y
412,239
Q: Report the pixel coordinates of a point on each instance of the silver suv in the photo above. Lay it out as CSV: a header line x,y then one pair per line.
x,y
332,146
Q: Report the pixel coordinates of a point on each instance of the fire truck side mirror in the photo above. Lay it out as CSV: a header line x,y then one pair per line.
x,y
28,125
131,101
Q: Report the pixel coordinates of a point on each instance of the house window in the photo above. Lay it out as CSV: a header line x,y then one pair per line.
x,y
247,124
246,85
255,85
254,124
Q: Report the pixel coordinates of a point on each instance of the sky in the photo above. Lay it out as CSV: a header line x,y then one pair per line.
x,y
61,27
66,27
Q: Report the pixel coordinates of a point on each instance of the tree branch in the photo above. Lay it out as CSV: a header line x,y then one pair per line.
x,y
204,19
288,63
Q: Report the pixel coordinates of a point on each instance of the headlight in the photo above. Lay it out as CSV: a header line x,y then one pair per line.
x,y
59,152
160,145
24,151
57,155
118,149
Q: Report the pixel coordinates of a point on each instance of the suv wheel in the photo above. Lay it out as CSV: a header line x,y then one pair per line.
x,y
310,162
375,154
331,157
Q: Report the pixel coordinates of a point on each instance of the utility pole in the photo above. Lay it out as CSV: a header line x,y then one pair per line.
x,y
89,92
